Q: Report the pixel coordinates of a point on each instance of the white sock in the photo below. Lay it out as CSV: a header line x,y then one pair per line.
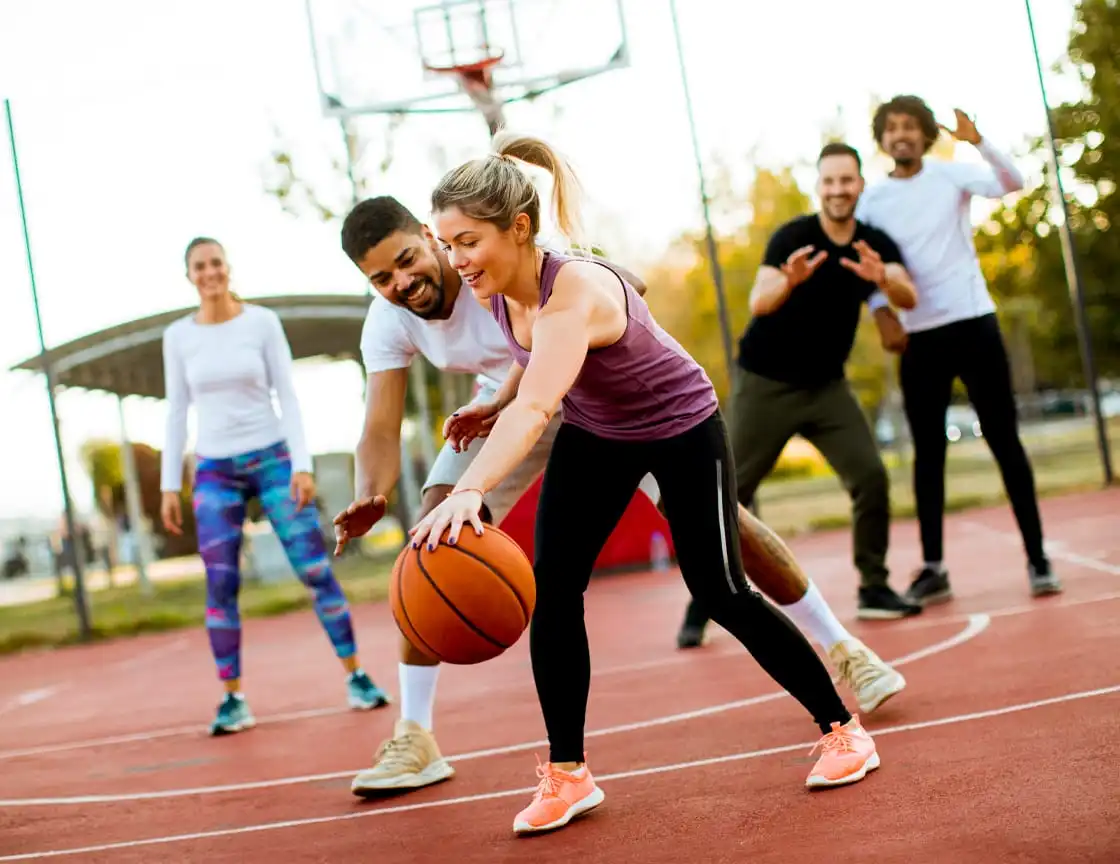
x,y
935,566
418,693
814,617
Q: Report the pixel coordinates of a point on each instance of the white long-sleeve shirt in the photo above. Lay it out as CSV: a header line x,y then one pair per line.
x,y
927,215
228,371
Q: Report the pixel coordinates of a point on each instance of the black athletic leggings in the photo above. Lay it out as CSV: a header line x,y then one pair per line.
x,y
973,351
587,486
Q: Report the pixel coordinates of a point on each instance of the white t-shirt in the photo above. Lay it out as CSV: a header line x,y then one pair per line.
x,y
469,340
228,372
928,216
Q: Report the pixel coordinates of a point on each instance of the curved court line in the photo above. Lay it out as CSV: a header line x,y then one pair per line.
x,y
508,793
977,624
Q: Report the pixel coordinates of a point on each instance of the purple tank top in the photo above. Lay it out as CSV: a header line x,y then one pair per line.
x,y
644,387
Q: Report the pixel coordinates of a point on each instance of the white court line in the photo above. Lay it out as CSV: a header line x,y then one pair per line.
x,y
508,793
977,624
30,697
1055,549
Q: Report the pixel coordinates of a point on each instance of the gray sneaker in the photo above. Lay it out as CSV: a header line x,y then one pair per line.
x,y
1043,580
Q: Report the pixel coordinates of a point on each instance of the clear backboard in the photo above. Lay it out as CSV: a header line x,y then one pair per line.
x,y
396,56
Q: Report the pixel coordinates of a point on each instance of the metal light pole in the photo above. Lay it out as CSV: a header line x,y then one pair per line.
x,y
1073,276
71,527
713,253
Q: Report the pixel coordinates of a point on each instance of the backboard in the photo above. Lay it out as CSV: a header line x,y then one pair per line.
x,y
383,56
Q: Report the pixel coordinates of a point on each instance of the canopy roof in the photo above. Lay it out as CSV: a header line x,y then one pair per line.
x,y
127,360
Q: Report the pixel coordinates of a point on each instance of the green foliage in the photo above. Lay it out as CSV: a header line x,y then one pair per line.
x,y
1020,247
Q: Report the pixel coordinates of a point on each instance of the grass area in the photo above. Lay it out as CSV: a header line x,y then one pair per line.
x,y
126,611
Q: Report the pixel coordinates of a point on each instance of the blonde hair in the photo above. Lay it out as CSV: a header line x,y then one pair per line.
x,y
495,189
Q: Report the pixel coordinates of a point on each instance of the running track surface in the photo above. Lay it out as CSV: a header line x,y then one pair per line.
x,y
1003,748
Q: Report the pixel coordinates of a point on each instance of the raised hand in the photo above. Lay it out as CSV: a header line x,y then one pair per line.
x,y
966,128
799,266
869,266
356,520
470,422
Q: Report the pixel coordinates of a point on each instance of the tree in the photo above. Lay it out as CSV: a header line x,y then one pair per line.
x,y
1019,247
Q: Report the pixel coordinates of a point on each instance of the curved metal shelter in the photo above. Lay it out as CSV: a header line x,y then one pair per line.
x,y
127,360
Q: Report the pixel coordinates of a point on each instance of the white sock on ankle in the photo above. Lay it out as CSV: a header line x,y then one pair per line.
x,y
418,693
814,617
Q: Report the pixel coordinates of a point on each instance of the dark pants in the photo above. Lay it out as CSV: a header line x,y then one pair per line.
x,y
765,414
694,471
973,351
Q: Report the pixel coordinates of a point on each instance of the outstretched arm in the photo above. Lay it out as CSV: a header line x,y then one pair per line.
x,y
997,178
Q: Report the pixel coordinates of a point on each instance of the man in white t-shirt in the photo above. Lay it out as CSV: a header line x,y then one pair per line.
x,y
420,307
953,331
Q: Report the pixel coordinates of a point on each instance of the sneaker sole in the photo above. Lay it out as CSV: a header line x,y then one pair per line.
x,y
815,781
932,599
436,772
362,705
1043,589
897,685
593,800
232,728
870,613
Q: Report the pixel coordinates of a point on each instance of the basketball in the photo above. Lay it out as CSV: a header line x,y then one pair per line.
x,y
466,603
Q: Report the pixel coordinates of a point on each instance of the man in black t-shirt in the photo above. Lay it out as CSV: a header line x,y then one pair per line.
x,y
817,273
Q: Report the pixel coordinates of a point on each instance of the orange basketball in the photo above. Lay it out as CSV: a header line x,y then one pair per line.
x,y
466,603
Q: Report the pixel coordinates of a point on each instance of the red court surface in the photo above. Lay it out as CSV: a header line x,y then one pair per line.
x,y
1003,748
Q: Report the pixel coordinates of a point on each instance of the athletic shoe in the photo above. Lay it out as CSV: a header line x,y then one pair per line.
x,y
233,716
930,587
560,797
1043,580
362,693
690,637
847,754
880,602
872,681
408,760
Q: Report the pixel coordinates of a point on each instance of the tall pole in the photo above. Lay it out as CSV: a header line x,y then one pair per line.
x,y
1073,276
71,527
713,253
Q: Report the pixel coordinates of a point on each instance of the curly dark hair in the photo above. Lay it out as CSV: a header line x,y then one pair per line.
x,y
372,221
913,106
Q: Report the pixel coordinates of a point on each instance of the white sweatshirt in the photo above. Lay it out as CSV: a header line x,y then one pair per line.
x,y
928,216
228,371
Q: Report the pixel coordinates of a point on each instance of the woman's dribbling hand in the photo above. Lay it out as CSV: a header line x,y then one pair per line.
x,y
470,422
456,509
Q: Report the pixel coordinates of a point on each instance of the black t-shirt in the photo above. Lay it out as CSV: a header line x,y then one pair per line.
x,y
807,340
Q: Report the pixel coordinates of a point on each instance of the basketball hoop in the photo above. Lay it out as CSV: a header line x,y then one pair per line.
x,y
476,80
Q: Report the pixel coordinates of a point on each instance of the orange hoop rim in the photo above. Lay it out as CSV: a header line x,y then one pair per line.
x,y
467,69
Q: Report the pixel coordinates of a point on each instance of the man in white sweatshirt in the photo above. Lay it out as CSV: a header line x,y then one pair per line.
x,y
953,331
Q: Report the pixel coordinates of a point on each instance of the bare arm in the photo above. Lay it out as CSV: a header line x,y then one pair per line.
x,y
377,457
898,287
771,289
508,391
561,336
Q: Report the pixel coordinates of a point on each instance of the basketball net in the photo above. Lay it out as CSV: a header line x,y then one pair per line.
x,y
476,80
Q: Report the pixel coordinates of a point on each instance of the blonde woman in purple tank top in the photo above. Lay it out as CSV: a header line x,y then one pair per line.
x,y
634,403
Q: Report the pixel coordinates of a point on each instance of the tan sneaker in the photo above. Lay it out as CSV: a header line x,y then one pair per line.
x,y
408,760
872,680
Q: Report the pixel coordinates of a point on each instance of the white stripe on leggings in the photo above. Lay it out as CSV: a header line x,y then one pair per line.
x,y
723,527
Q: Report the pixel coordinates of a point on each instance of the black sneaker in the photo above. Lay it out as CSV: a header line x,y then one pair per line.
x,y
690,636
1043,580
929,588
880,602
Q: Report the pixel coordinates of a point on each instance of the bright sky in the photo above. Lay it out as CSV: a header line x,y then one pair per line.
x,y
141,124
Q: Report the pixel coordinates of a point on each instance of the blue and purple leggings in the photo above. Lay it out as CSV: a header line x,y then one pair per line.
x,y
222,489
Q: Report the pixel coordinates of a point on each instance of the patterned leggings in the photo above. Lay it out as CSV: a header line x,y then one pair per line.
x,y
222,489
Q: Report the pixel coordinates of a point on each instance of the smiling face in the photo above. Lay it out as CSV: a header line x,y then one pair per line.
x,y
208,271
903,139
485,256
839,185
407,270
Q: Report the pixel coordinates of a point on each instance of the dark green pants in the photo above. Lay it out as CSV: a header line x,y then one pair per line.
x,y
764,414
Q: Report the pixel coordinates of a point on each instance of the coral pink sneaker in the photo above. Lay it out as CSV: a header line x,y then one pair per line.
x,y
560,797
847,754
